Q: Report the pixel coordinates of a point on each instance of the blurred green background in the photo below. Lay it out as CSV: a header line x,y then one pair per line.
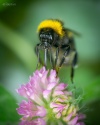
x,y
18,36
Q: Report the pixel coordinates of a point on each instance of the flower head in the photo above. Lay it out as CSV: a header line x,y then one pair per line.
x,y
48,101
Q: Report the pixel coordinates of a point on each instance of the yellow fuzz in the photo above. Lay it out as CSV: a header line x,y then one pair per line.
x,y
53,24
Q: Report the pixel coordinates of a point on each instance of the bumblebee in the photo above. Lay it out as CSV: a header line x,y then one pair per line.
x,y
58,45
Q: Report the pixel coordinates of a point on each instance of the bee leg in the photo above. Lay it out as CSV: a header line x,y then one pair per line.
x,y
57,53
67,50
38,54
73,65
51,59
45,57
47,48
72,74
55,63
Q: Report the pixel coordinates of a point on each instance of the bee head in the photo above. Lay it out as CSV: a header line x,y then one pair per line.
x,y
50,30
48,35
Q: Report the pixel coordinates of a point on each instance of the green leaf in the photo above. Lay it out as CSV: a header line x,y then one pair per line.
x,y
8,105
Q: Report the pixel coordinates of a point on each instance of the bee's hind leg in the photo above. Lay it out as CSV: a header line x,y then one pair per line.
x,y
73,66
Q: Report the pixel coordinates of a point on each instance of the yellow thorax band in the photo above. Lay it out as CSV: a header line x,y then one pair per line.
x,y
53,24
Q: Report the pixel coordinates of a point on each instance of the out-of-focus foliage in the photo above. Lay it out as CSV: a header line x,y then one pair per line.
x,y
8,104
18,37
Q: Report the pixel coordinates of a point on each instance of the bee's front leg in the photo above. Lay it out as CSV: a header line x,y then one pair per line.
x,y
37,51
45,57
55,61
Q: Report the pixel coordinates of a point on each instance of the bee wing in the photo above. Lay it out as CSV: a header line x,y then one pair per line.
x,y
71,32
